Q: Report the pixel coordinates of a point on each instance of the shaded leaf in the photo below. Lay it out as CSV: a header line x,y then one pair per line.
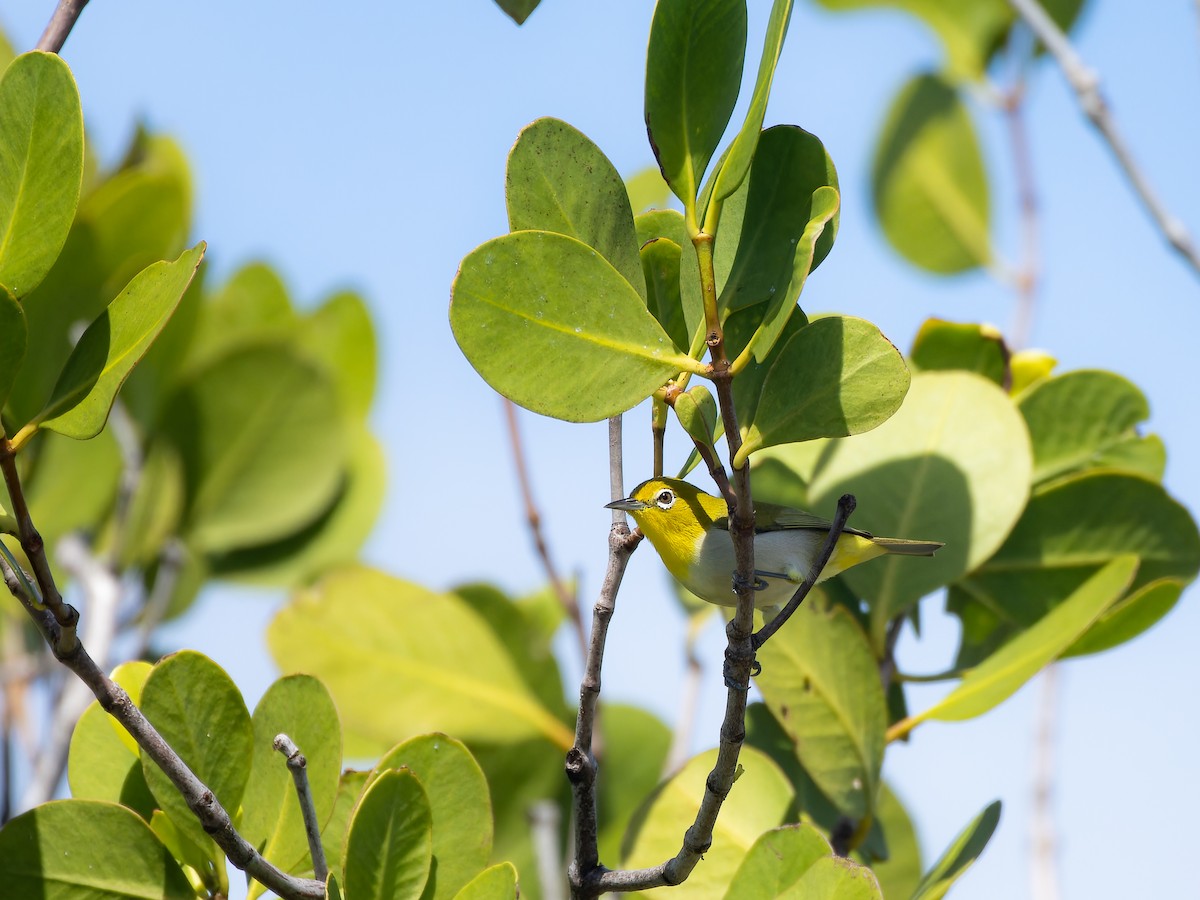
x,y
67,846
636,743
262,444
558,180
551,325
518,10
821,682
693,73
929,183
14,335
952,465
337,829
660,266
776,861
696,410
41,166
959,856
113,344
646,190
837,376
900,873
941,345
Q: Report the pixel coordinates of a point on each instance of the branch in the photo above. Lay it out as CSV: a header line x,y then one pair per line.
x,y
845,507
60,25
298,766
1086,84
103,594
581,762
545,817
69,651
567,598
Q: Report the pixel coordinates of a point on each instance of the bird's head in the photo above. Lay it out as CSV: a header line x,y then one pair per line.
x,y
673,514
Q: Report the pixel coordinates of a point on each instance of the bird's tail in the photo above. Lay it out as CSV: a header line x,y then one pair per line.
x,y
902,547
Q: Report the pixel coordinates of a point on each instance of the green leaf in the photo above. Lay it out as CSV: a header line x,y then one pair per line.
x,y
1000,676
357,626
102,763
1029,367
646,190
73,483
821,682
459,804
156,507
262,443
388,851
1080,420
660,266
697,412
970,32
740,328
1128,617
252,307
65,848
332,539
199,711
776,861
496,883
837,376
834,878
900,873
185,851
736,164
518,10
113,344
669,224
558,180
959,856
551,325
788,224
929,183
1070,529
759,800
636,743
942,345
333,836
300,707
952,465
693,73
134,219
14,334
339,334
333,890
41,166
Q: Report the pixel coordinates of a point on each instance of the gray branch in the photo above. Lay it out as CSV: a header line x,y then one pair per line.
x,y
298,766
60,25
1085,82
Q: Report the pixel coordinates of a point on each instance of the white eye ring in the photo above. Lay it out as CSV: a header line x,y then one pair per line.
x,y
665,499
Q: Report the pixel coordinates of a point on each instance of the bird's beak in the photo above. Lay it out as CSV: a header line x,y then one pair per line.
x,y
628,504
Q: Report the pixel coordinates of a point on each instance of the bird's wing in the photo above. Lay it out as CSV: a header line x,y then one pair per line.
x,y
769,517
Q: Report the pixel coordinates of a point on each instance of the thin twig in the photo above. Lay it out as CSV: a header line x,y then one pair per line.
x,y
103,595
298,766
581,762
545,819
60,25
845,507
566,597
1085,82
1044,864
129,444
1030,269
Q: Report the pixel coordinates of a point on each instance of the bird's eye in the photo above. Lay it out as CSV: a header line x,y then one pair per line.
x,y
665,499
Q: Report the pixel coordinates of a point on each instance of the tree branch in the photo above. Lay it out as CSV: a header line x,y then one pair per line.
x,y
298,766
566,598
60,25
1085,82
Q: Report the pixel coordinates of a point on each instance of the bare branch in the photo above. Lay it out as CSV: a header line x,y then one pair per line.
x,y
845,507
298,766
60,25
1085,82
566,597
544,822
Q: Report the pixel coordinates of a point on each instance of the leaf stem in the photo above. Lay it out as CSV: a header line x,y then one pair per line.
x,y
60,25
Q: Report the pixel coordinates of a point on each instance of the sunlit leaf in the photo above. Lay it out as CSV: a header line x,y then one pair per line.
x,y
959,856
941,345
496,883
388,851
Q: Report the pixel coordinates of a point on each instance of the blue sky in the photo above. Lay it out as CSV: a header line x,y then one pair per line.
x,y
364,144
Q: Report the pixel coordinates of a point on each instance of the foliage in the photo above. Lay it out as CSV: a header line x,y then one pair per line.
x,y
238,448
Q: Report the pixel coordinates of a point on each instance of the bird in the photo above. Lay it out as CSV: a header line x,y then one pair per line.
x,y
690,531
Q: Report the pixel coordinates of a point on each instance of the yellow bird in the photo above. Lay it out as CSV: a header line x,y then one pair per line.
x,y
690,531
